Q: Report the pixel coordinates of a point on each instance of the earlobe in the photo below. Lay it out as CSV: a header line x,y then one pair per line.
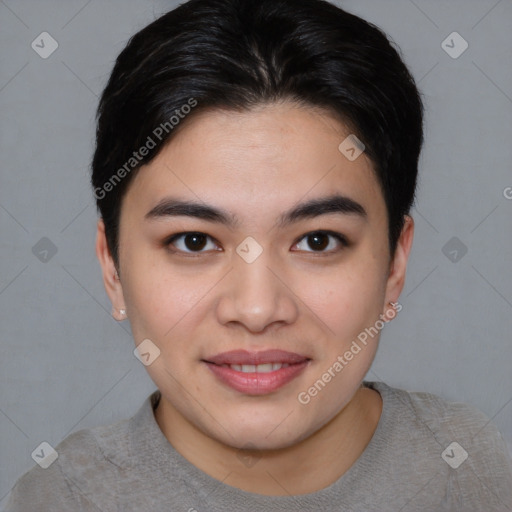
x,y
119,314
396,278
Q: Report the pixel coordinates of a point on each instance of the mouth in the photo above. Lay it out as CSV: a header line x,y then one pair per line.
x,y
256,373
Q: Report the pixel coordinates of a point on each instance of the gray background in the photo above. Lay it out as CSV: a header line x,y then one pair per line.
x,y
67,365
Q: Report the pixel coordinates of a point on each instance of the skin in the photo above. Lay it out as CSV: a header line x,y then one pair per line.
x,y
191,305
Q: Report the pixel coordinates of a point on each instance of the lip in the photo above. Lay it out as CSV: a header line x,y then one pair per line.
x,y
262,357
254,383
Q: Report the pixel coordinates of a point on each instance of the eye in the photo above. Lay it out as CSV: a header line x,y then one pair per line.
x,y
190,242
319,241
196,242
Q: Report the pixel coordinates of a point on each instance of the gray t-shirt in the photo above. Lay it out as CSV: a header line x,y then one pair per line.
x,y
411,464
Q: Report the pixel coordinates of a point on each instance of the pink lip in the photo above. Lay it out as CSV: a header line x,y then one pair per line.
x,y
254,383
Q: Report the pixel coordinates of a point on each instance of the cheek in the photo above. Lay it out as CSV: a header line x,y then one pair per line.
x,y
167,306
347,299
158,309
155,301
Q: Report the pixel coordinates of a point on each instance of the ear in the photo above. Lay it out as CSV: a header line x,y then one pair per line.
x,y
111,282
398,266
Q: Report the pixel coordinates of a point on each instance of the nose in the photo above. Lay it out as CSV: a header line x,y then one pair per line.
x,y
256,295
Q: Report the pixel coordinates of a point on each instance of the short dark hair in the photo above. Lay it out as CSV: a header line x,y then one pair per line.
x,y
237,54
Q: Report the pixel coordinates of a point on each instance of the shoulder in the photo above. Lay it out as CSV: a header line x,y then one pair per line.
x,y
88,463
443,420
453,440
455,418
58,485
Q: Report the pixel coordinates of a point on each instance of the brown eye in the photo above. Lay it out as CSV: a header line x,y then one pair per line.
x,y
190,242
319,241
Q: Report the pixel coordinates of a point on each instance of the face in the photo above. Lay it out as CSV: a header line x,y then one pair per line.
x,y
257,288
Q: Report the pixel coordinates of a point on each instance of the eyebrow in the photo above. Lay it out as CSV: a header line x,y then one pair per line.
x,y
334,204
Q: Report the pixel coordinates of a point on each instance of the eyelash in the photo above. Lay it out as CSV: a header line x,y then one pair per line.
x,y
338,236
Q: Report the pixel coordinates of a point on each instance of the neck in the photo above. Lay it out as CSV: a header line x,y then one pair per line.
x,y
289,471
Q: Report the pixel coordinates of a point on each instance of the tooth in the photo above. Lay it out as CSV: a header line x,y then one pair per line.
x,y
260,368
265,368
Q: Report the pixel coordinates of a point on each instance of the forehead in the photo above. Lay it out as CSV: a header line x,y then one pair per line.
x,y
256,163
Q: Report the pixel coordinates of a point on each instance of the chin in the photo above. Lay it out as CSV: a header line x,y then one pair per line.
x,y
263,435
